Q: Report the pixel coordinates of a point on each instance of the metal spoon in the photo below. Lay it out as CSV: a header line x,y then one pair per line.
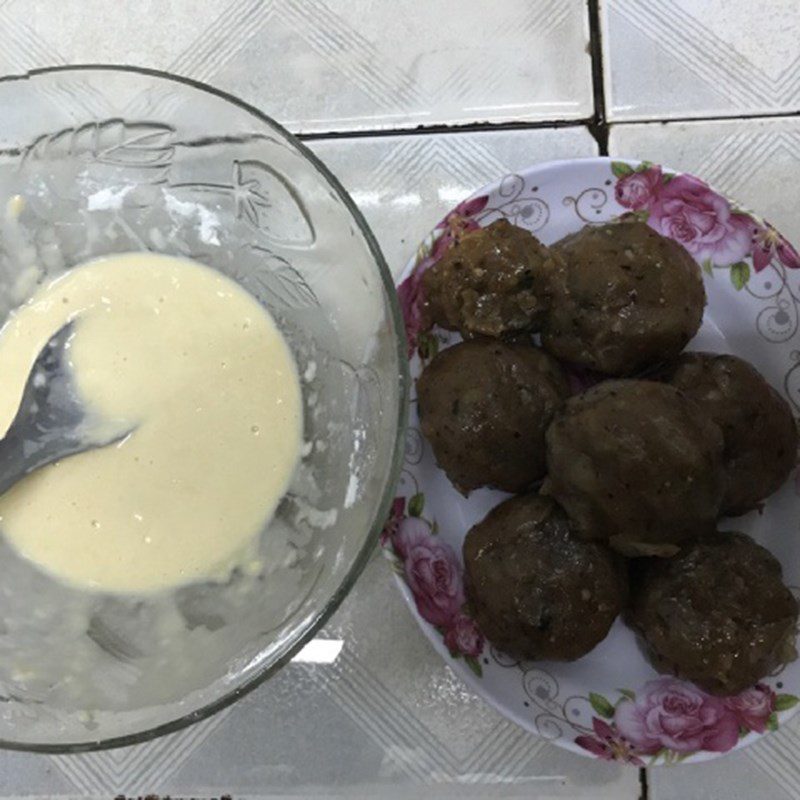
x,y
52,422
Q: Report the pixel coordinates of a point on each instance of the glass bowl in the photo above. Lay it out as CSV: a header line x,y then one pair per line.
x,y
112,160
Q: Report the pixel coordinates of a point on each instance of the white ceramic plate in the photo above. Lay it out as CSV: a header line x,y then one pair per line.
x,y
611,703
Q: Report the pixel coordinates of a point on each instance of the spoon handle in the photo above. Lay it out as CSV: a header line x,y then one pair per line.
x,y
18,457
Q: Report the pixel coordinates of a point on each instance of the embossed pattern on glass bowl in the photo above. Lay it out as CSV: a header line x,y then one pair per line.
x,y
109,160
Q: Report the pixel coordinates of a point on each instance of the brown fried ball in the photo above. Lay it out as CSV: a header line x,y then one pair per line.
x,y
537,591
490,283
484,406
717,614
622,297
636,464
757,424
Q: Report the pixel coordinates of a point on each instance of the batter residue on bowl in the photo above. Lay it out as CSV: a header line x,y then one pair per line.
x,y
202,370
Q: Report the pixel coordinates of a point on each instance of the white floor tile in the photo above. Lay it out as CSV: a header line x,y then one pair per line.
x,y
386,721
757,162
319,65
700,58
406,184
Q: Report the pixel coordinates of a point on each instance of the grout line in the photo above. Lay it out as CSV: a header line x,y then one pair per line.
x,y
598,127
723,118
470,127
645,794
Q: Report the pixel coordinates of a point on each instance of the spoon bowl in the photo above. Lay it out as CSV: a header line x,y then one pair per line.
x,y
52,423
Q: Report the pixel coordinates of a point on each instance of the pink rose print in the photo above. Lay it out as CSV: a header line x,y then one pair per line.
x,y
769,244
753,707
393,521
409,293
678,716
689,212
608,745
431,571
463,637
410,532
453,226
466,208
638,190
457,223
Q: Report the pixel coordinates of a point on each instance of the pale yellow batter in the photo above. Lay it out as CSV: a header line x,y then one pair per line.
x,y
193,360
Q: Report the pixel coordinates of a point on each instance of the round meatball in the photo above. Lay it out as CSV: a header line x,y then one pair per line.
x,y
717,614
490,283
635,463
484,406
622,297
757,424
537,591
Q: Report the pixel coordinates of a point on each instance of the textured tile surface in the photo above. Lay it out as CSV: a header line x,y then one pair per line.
x,y
320,65
765,770
697,58
757,162
385,720
406,184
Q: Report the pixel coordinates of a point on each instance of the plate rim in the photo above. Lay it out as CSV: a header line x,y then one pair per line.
x,y
435,638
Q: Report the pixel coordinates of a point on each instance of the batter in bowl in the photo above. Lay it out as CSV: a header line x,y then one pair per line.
x,y
200,368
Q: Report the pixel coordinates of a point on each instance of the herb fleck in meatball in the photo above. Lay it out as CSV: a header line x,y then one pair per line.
x,y
757,424
622,297
484,406
636,464
717,614
537,591
491,283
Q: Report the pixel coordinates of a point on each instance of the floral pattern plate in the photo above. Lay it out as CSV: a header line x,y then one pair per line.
x,y
610,704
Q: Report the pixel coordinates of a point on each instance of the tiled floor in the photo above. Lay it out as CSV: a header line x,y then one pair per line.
x,y
341,66
767,770
387,719
380,722
700,58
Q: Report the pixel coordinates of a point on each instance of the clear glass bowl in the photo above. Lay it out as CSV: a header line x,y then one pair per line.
x,y
112,160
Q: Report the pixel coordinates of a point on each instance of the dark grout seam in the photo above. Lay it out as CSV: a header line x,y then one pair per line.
x,y
719,118
598,126
645,793
471,127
